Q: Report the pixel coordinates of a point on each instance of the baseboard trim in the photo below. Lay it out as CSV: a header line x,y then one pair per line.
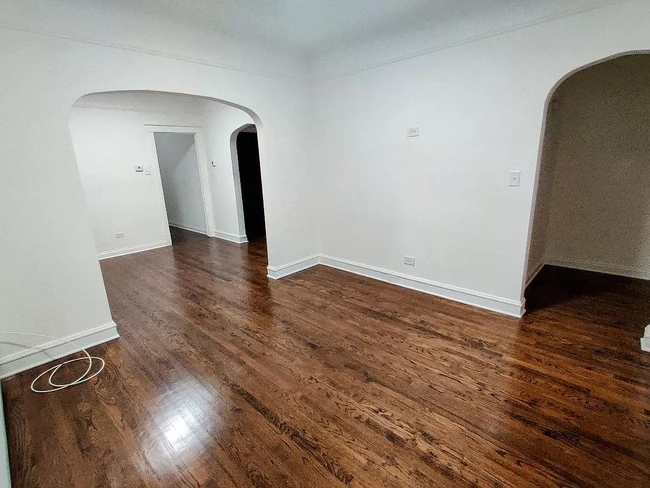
x,y
5,472
534,274
450,292
133,249
35,356
462,295
227,236
191,228
645,340
277,272
608,268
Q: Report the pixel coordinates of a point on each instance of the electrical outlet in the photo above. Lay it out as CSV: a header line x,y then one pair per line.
x,y
139,168
409,260
515,177
413,132
119,235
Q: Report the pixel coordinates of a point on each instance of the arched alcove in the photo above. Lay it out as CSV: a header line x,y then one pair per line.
x,y
588,211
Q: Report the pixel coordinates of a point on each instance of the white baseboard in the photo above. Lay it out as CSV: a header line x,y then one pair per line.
x,y
44,353
450,292
191,228
645,340
133,249
608,268
5,473
277,272
227,236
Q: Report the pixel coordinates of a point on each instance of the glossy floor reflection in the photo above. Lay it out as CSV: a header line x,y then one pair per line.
x,y
225,378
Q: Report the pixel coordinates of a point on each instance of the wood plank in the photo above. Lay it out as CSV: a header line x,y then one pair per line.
x,y
225,378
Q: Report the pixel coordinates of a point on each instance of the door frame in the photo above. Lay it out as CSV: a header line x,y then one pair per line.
x,y
204,177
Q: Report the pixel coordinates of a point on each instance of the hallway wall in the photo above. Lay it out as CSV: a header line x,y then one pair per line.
x,y
108,145
220,122
110,137
179,171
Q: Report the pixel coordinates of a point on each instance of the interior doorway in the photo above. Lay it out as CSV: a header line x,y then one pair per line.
x,y
250,177
592,208
178,163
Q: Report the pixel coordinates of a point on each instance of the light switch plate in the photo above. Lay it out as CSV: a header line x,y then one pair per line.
x,y
139,168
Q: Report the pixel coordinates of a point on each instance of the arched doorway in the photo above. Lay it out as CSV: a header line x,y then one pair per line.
x,y
592,207
137,183
246,158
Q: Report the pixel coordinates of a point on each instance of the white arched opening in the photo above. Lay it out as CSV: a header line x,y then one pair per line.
x,y
210,121
546,191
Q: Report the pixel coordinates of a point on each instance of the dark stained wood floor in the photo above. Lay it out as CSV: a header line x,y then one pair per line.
x,y
225,378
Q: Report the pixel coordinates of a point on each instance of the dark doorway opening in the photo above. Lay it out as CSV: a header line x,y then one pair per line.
x,y
250,176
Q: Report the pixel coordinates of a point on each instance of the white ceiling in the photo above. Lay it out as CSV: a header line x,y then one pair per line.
x,y
316,27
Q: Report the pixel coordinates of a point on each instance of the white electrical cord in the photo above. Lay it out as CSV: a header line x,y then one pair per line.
x,y
53,370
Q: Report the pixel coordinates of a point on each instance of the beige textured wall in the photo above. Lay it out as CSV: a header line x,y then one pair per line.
x,y
594,199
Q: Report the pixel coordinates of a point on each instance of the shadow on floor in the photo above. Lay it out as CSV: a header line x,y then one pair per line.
x,y
622,300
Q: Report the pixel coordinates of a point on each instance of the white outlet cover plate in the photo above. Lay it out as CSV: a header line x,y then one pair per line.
x,y
413,132
515,177
409,260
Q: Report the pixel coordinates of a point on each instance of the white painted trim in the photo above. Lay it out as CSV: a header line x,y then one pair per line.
x,y
133,249
299,80
482,300
5,473
645,340
227,236
55,349
608,268
534,274
450,292
461,42
180,129
202,163
277,272
191,228
117,108
125,47
234,157
645,344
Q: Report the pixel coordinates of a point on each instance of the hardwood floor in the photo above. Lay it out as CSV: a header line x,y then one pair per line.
x,y
223,377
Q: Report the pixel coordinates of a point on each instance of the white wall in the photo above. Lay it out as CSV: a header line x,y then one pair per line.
x,y
108,144
220,123
110,136
599,205
444,197
181,182
542,206
51,281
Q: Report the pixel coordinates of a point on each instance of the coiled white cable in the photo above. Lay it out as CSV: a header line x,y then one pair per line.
x,y
53,370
